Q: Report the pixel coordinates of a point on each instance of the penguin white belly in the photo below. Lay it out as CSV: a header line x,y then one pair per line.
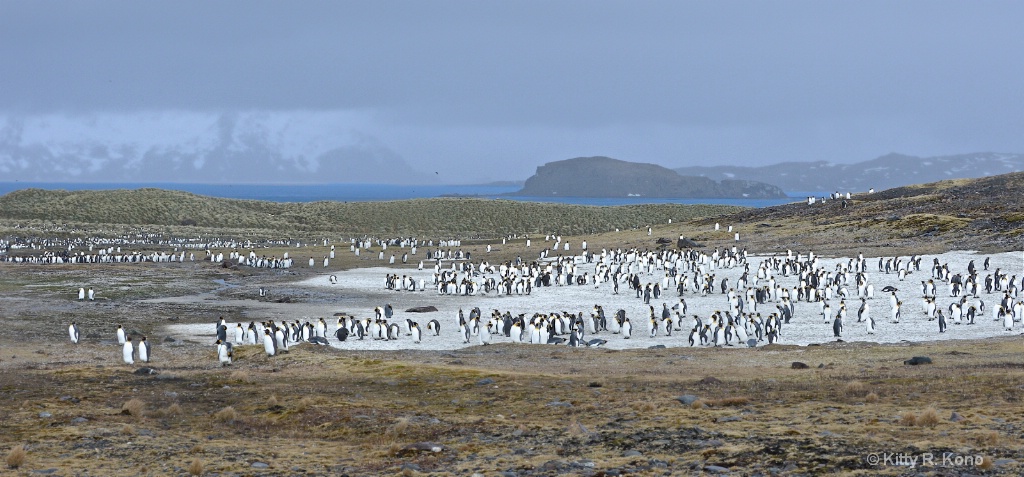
x,y
268,345
128,353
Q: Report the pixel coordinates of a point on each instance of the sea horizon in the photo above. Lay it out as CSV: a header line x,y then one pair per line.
x,y
364,192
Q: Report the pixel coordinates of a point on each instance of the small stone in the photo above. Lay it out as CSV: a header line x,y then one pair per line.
x,y
45,471
45,415
632,453
559,404
799,365
716,469
955,417
484,382
260,465
916,360
1002,462
171,394
687,399
145,371
410,466
79,420
729,419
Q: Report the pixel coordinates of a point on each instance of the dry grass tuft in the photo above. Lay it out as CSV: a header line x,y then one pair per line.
x,y
986,463
643,406
304,404
173,410
128,430
16,457
272,401
228,414
723,402
908,420
239,377
698,404
871,398
196,467
989,438
855,389
134,408
928,418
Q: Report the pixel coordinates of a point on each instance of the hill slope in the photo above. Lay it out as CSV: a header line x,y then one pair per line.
x,y
455,217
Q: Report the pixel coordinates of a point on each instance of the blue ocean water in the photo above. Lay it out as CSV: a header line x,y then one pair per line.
x,y
371,192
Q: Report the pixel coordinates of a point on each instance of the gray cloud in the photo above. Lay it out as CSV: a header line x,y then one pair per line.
x,y
484,90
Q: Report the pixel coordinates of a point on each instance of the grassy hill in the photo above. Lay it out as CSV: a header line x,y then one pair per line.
x,y
444,216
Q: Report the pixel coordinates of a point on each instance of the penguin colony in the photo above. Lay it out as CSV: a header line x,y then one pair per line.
x,y
771,294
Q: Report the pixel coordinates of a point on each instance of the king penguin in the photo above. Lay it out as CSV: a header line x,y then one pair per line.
x,y
268,343
128,351
224,353
73,332
145,353
837,326
120,335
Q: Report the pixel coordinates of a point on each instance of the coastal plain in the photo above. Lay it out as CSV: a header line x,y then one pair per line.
x,y
850,407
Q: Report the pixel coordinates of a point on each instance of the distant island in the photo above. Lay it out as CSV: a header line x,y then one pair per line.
x,y
607,177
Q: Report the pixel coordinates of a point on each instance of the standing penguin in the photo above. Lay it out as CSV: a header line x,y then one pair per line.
x,y
145,353
128,351
837,326
435,326
120,335
415,329
942,321
73,332
268,343
239,334
627,328
1008,321
224,353
870,325
81,293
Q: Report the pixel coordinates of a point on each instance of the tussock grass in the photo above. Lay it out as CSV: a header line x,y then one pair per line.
x,y
16,457
226,415
856,389
928,418
908,419
871,398
134,407
196,467
476,217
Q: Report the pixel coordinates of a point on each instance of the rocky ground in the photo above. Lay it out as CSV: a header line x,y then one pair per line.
x,y
502,410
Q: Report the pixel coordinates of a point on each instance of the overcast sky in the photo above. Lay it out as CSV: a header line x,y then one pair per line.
x,y
488,90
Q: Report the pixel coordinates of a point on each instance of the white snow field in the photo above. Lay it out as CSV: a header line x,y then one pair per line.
x,y
365,287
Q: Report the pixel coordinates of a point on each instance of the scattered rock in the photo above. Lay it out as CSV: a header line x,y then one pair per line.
x,y
729,419
687,399
421,309
419,447
955,417
1002,462
716,469
557,403
709,381
145,371
79,420
799,365
45,415
45,471
656,347
916,360
632,453
171,394
260,465
410,466
484,382
169,340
